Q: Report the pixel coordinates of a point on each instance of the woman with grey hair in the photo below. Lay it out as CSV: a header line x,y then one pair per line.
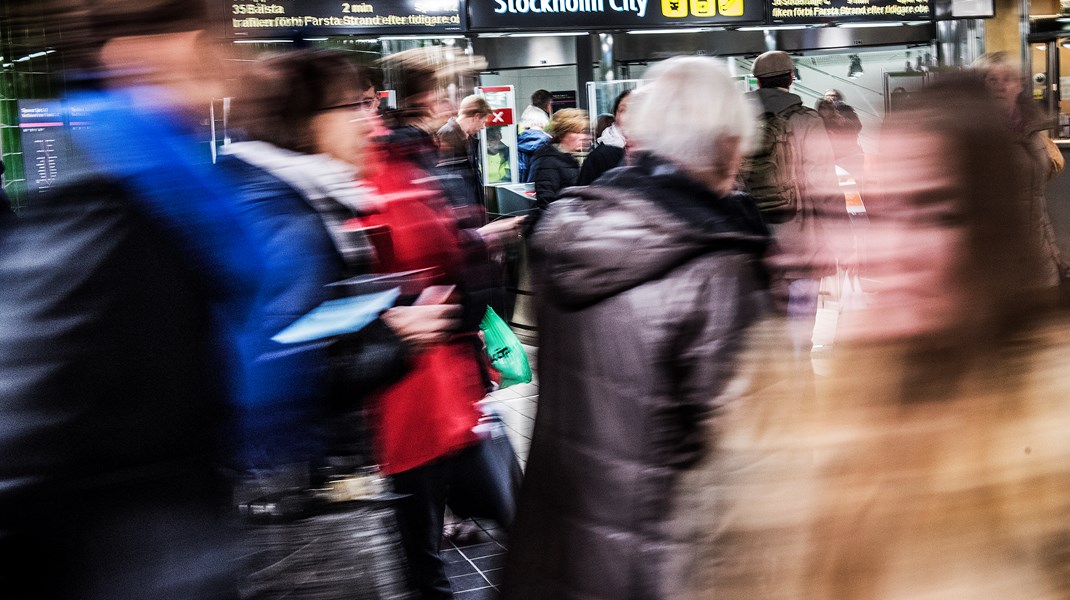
x,y
648,280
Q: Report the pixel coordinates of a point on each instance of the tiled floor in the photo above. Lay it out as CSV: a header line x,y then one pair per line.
x,y
474,563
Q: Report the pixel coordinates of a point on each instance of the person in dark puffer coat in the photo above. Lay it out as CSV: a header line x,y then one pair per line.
x,y
553,166
648,281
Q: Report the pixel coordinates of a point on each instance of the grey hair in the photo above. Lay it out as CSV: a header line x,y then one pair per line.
x,y
687,111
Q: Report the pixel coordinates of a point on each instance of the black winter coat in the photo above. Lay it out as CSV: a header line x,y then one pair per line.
x,y
552,171
647,282
600,160
112,403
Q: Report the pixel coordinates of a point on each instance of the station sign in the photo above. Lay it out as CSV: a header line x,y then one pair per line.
x,y
823,11
273,18
610,14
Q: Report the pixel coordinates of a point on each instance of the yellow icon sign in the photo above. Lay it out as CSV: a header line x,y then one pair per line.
x,y
704,8
674,8
730,8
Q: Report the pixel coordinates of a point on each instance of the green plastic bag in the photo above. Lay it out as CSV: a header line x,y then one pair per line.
x,y
506,353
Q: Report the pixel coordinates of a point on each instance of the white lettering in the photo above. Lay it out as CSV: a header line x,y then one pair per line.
x,y
572,6
642,7
614,6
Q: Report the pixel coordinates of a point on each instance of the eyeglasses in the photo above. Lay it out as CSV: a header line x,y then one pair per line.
x,y
364,105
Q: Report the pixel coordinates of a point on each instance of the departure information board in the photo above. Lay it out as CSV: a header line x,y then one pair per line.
x,y
43,130
522,15
819,11
275,18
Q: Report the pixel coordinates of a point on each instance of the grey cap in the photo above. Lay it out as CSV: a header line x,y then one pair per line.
x,y
774,62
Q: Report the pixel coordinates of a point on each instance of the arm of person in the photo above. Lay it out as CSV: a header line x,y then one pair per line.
x,y
705,312
502,232
1055,155
380,354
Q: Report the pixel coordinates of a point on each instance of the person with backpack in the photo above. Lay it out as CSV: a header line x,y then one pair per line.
x,y
791,175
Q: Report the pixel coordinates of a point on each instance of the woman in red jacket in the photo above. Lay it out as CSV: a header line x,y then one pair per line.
x,y
424,422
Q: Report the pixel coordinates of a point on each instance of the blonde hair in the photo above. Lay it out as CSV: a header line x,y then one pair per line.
x,y
567,120
474,106
689,112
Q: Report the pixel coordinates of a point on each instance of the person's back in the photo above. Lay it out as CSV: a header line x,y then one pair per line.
x,y
802,221
537,114
527,144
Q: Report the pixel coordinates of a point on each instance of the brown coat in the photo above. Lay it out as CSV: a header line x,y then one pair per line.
x,y
642,312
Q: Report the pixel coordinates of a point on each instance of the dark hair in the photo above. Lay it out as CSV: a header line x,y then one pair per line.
x,y
603,122
620,98
775,81
541,98
281,94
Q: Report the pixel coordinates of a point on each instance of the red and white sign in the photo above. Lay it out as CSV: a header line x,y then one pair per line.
x,y
500,117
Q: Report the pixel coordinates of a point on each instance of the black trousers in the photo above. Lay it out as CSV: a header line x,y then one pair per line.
x,y
462,481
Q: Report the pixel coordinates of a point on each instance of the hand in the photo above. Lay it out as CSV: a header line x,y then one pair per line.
x,y
503,231
420,326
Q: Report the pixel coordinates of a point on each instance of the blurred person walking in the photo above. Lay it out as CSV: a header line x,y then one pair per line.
x,y
609,152
425,422
127,290
1043,159
792,176
304,147
554,167
933,462
647,282
407,165
843,126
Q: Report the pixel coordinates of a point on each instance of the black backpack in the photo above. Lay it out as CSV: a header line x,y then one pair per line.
x,y
769,173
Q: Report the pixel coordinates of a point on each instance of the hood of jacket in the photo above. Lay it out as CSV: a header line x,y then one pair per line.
x,y
635,225
774,100
531,139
